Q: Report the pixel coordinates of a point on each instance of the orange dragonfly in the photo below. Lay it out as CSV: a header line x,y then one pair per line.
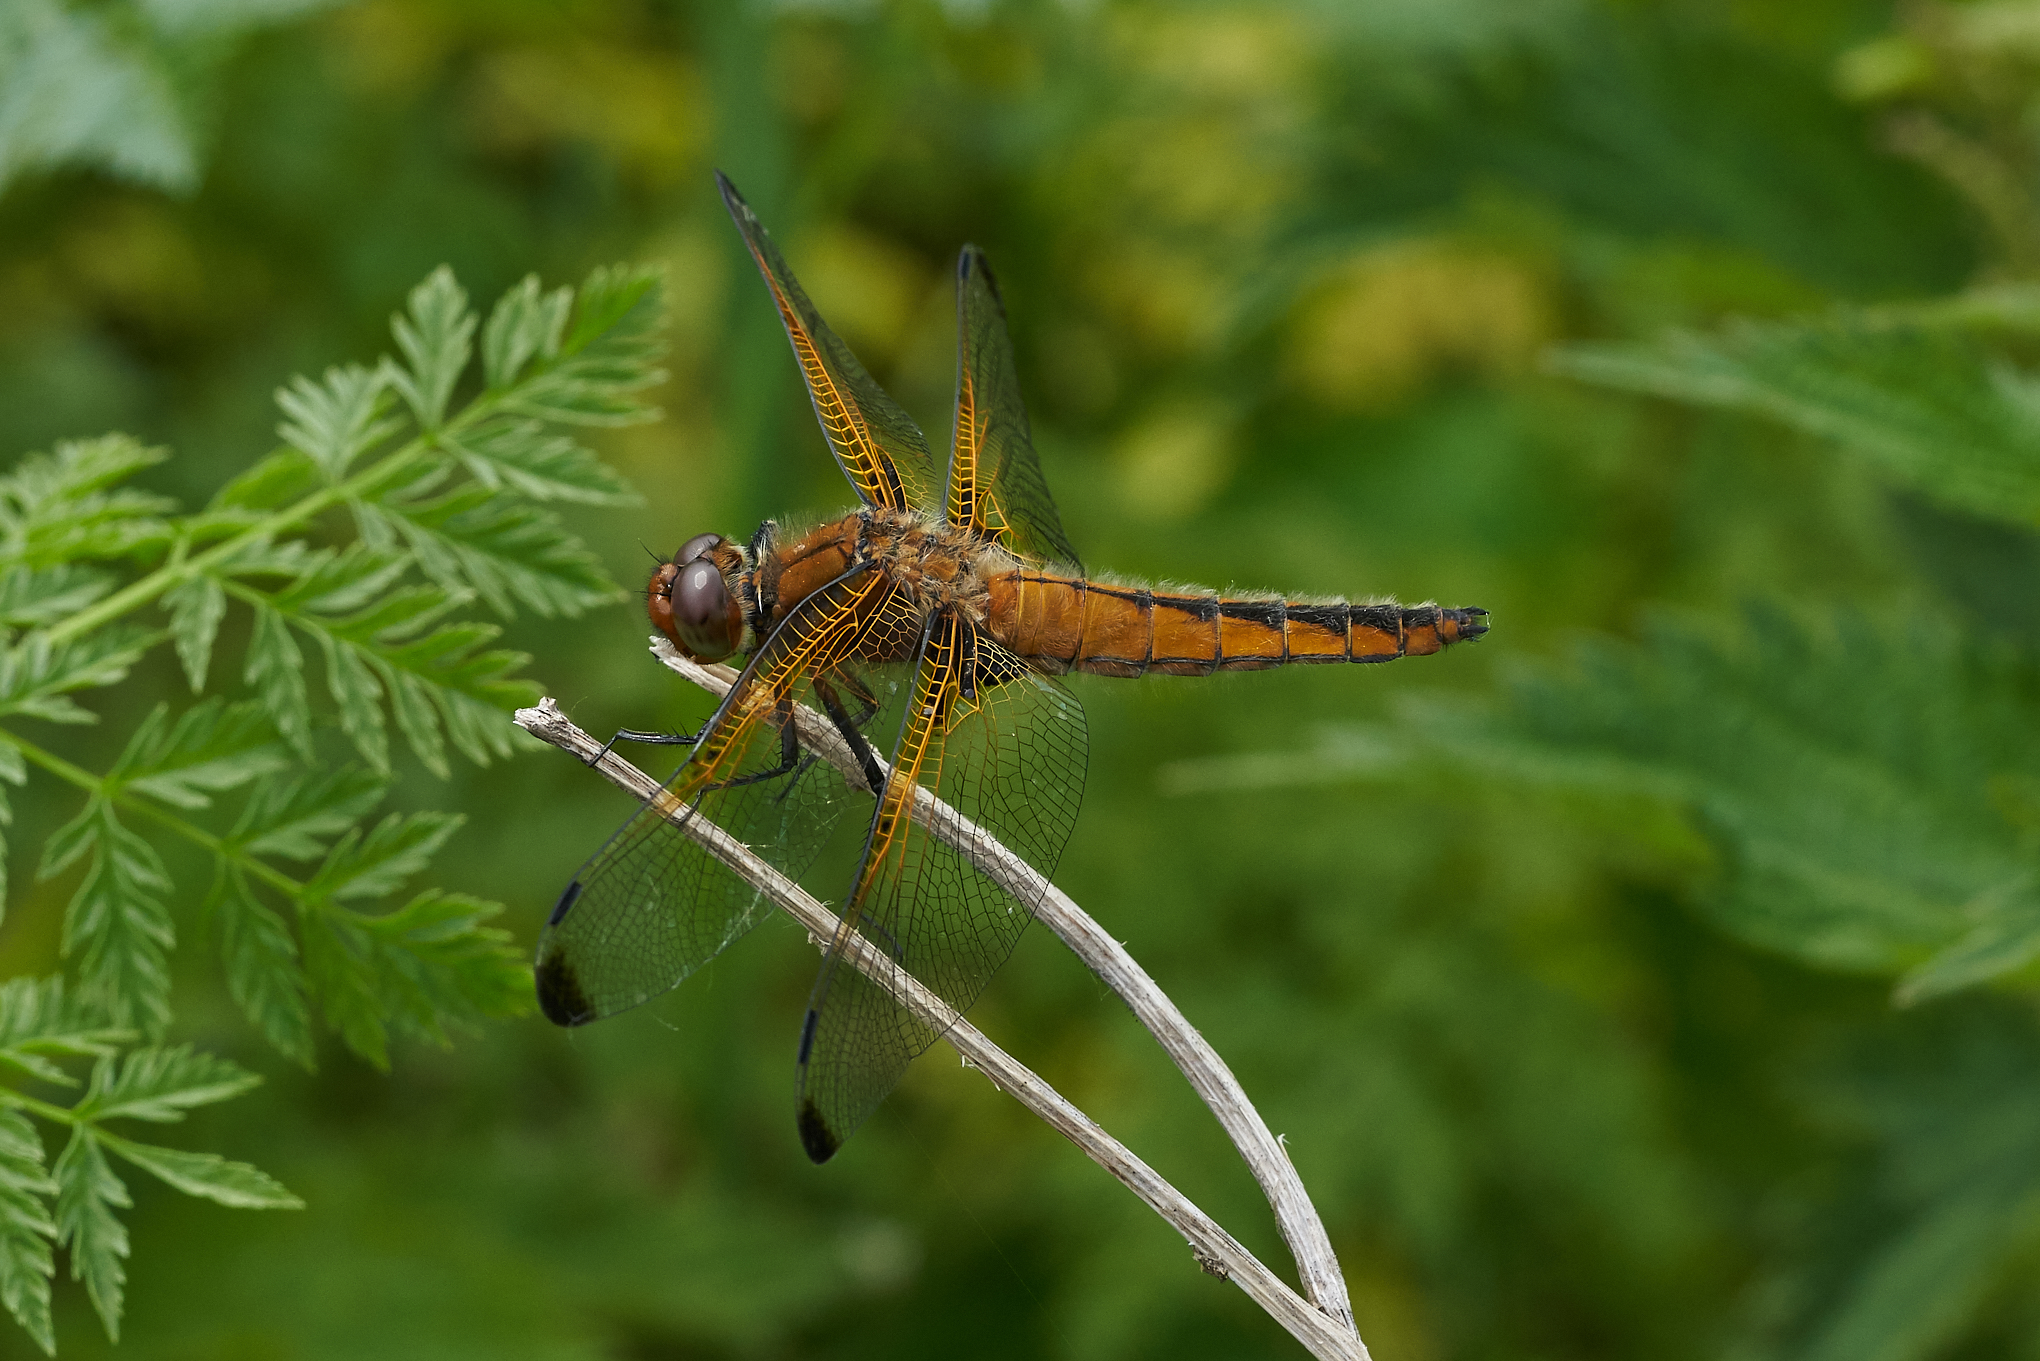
x,y
933,620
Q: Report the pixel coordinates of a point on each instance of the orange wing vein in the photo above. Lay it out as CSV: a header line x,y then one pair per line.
x,y
1003,746
650,906
878,446
996,487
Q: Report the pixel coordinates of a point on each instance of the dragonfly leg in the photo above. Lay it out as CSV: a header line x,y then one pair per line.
x,y
849,726
789,751
663,739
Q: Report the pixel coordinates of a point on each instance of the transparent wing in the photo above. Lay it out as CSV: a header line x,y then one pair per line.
x,y
879,447
1006,749
995,482
651,906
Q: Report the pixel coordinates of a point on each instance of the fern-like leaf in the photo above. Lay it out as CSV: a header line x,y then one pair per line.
x,y
34,596
1861,783
1925,404
336,421
215,746
37,676
62,507
260,956
436,335
205,1175
504,550
26,1230
118,927
88,1193
160,1085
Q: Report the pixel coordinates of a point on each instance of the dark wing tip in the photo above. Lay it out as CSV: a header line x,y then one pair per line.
x,y
733,200
559,992
970,260
816,1137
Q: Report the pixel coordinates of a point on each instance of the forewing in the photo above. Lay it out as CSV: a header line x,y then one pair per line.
x,y
1005,748
651,906
995,482
879,447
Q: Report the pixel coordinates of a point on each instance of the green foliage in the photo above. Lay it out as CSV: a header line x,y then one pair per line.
x,y
1914,391
120,86
1869,788
444,501
1571,987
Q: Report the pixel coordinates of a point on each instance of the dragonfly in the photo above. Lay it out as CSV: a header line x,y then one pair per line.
x,y
930,625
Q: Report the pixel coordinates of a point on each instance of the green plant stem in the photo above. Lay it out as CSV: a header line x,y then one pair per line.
x,y
179,570
219,846
60,1114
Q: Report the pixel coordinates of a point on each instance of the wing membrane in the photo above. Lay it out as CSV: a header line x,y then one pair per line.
x,y
651,907
1006,748
879,447
995,483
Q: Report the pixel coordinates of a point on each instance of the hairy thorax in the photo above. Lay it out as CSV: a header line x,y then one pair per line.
x,y
932,564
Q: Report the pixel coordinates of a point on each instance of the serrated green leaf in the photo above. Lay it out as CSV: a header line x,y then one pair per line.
x,y
31,597
38,1018
1843,773
1924,404
206,1175
446,964
87,1195
13,770
467,688
436,338
261,961
337,420
411,702
275,667
283,477
36,677
359,697
336,963
288,558
70,841
80,93
607,300
431,964
297,818
338,582
1936,1209
376,864
196,608
26,1230
611,355
118,928
524,325
504,550
526,457
215,746
160,1085
56,508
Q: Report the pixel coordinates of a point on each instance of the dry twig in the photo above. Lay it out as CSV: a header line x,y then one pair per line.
x,y
1317,1267
1325,1327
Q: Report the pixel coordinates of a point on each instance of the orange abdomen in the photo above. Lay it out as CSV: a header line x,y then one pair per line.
x,y
1066,623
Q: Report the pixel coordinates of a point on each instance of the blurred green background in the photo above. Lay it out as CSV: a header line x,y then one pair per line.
x,y
1282,279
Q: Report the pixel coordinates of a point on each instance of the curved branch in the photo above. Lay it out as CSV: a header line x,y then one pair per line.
x,y
1304,1232
1217,1251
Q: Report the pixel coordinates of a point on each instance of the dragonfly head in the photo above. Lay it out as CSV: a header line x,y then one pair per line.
x,y
693,600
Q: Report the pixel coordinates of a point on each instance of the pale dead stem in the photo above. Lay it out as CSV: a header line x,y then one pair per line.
x,y
1323,1324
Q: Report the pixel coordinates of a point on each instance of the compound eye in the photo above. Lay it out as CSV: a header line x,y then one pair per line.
x,y
701,611
695,547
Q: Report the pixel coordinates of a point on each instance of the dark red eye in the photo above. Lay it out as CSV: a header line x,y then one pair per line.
x,y
695,547
701,611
